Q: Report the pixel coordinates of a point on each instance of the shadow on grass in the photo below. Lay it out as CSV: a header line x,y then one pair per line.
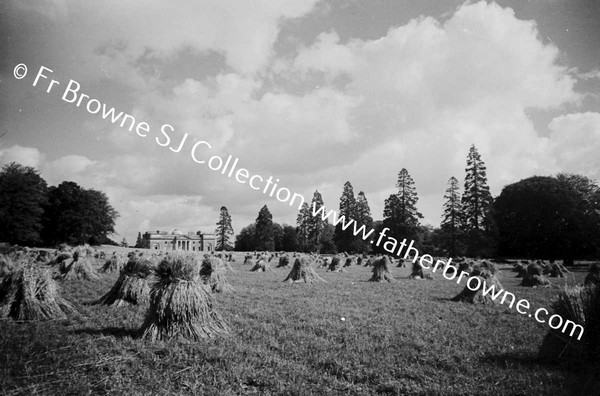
x,y
580,378
117,332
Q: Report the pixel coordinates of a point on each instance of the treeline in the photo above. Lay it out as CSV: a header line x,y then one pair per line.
x,y
538,217
33,214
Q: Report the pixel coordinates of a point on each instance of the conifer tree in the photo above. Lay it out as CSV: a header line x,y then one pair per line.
x,y
302,223
344,239
476,203
139,242
451,218
224,231
400,212
363,217
476,198
315,224
265,238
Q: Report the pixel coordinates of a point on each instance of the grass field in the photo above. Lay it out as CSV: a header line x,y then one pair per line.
x,y
343,337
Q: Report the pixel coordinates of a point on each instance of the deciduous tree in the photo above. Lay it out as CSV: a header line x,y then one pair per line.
x,y
22,199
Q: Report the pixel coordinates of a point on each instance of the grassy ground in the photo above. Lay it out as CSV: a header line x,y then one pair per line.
x,y
343,337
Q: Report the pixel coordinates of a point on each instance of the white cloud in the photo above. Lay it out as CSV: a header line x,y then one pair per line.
x,y
416,98
575,142
26,156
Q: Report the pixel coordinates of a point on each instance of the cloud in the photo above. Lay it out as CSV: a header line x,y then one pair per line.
x,y
244,32
417,98
428,90
575,143
334,110
71,164
26,156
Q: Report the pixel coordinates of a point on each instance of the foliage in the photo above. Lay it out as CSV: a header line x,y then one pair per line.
x,y
246,240
451,218
316,224
265,238
326,243
363,217
549,217
139,242
344,239
476,202
289,241
302,226
224,231
278,237
400,213
22,198
77,216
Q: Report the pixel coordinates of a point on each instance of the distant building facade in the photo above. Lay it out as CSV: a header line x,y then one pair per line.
x,y
177,240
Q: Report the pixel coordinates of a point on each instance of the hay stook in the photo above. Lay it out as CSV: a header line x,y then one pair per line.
x,y
381,270
181,307
30,293
303,272
212,273
132,287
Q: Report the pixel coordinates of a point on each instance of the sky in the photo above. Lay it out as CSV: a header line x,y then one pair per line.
x,y
313,93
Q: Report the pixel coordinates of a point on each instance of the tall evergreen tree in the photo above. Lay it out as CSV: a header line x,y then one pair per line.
x,y
224,230
23,194
302,225
451,218
265,238
139,242
344,239
400,211
407,195
316,224
476,204
363,217
476,198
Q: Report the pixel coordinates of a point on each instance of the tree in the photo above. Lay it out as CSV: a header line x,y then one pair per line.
x,y
224,231
326,243
549,218
278,237
476,203
245,241
76,216
289,241
302,222
451,218
400,212
363,217
315,223
265,238
22,199
139,242
124,242
344,239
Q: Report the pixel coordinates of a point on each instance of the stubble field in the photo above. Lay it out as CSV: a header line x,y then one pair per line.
x,y
344,337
